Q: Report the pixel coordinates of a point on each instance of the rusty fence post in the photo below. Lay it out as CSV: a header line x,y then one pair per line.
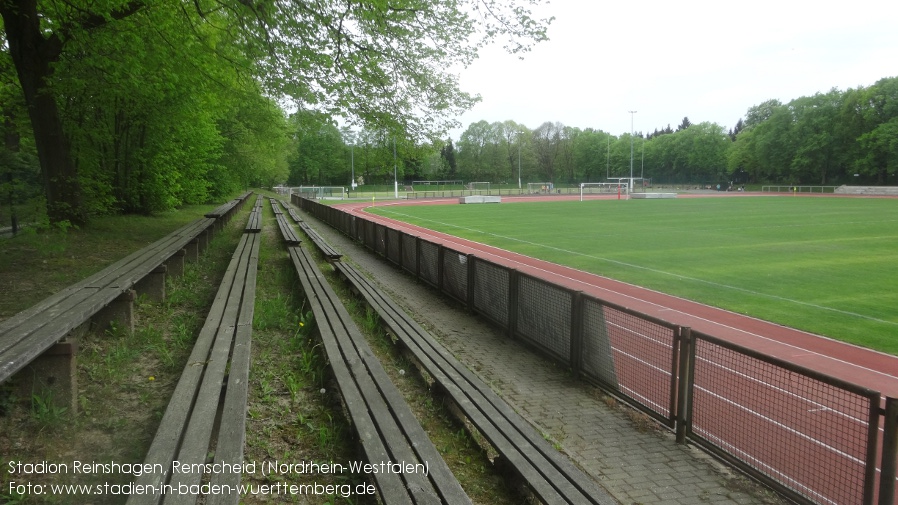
x,y
889,454
685,385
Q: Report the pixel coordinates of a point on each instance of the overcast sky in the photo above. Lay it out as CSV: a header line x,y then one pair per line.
x,y
707,60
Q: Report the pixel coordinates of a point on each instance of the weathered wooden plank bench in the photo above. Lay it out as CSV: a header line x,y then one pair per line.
x,y
290,210
254,224
227,209
548,474
93,302
287,230
223,213
207,411
323,246
383,421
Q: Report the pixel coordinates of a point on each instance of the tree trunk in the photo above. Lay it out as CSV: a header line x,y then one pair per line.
x,y
33,56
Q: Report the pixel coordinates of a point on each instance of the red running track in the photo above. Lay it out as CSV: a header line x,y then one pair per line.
x,y
863,367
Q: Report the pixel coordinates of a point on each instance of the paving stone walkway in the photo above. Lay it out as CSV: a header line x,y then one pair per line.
x,y
633,458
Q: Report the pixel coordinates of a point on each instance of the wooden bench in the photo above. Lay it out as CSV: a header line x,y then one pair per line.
x,y
207,411
227,209
224,212
548,474
254,223
383,421
286,228
94,302
323,246
292,212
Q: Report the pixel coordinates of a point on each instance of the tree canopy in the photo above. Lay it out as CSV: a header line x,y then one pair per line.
x,y
837,137
141,106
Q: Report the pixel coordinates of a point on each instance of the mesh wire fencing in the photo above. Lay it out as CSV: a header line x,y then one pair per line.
x,y
491,293
380,239
808,434
455,274
631,354
813,437
394,243
428,262
409,253
544,316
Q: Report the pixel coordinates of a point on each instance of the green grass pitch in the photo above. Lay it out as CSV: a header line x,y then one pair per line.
x,y
821,264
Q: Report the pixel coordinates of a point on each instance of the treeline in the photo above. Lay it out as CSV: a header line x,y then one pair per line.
x,y
138,106
132,106
151,118
824,139
838,137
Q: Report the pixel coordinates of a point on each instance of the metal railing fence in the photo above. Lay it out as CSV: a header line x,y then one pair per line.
x,y
814,438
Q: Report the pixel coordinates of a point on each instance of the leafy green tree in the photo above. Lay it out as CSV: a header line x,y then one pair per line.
x,y
814,158
877,147
881,152
449,166
255,148
475,150
590,152
547,140
318,156
382,63
757,114
511,137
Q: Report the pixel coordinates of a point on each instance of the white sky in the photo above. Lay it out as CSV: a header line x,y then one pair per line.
x,y
666,59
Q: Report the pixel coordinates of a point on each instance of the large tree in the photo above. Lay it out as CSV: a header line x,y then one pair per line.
x,y
386,64
35,47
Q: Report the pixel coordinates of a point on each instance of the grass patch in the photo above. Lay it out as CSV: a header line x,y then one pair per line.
x,y
294,414
824,265
125,380
41,261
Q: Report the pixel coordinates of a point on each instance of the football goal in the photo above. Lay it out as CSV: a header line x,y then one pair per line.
x,y
539,187
478,186
323,192
603,188
438,183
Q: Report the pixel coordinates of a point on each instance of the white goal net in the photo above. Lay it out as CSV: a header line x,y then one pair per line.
x,y
603,188
539,187
478,186
322,192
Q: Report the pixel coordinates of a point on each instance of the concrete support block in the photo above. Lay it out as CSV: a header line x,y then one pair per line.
x,y
193,250
153,285
175,264
119,312
53,376
203,240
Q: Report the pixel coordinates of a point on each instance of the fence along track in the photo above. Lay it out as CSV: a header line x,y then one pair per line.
x,y
812,437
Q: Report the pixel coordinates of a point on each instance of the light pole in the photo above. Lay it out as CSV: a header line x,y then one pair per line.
x,y
395,165
630,187
352,162
519,159
608,161
642,170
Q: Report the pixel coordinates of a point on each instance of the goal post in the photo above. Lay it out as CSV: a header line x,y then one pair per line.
x,y
439,183
604,188
323,192
479,186
539,187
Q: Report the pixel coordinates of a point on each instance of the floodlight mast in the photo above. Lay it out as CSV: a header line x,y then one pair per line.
x,y
352,160
395,165
630,187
